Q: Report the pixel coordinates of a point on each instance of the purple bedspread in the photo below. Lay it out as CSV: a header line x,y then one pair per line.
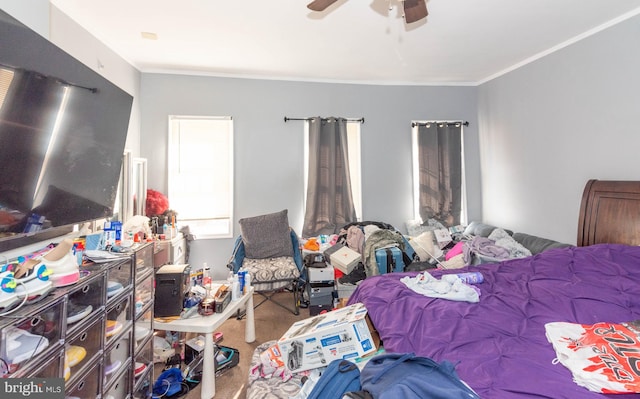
x,y
499,344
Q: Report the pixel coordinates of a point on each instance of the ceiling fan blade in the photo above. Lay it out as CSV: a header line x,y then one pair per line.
x,y
320,5
414,10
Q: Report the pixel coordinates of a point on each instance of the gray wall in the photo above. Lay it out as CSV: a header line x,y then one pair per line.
x,y
548,127
33,13
268,151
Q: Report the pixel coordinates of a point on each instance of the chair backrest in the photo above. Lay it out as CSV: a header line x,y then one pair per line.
x,y
238,254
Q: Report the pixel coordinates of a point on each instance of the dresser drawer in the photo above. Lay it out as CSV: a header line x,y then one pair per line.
x,y
143,360
119,319
161,254
143,293
143,385
51,367
82,349
84,300
178,250
119,279
34,332
120,386
144,258
142,328
87,385
116,357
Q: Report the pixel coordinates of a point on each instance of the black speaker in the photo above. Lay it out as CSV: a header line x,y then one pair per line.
x,y
172,283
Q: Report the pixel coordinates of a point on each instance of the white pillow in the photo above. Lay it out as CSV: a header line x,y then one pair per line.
x,y
425,247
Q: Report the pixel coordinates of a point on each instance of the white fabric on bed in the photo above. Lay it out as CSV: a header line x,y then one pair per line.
x,y
601,357
446,288
425,247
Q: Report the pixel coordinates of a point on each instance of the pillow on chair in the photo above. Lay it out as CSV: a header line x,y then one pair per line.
x,y
271,274
266,236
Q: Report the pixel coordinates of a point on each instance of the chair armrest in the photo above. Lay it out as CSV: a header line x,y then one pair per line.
x,y
237,256
297,256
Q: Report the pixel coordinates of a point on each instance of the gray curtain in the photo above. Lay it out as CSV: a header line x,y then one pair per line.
x,y
440,171
329,199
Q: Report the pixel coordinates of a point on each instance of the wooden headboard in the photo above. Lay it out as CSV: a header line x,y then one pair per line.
x,y
610,213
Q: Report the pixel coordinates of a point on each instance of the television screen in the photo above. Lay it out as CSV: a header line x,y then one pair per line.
x,y
63,129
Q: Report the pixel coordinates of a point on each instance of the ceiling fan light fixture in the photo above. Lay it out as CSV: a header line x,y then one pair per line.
x,y
413,10
320,5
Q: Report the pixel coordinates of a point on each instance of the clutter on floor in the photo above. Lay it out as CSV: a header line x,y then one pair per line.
x,y
280,368
182,370
331,366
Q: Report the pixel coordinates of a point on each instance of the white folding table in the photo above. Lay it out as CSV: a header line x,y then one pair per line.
x,y
207,325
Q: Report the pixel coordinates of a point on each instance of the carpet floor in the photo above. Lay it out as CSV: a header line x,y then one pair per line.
x,y
271,322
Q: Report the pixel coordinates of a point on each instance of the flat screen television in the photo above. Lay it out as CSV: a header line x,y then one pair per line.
x,y
63,129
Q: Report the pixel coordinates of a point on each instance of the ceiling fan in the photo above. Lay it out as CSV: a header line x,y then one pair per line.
x,y
414,10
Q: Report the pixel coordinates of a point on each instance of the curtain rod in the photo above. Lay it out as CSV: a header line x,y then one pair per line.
x,y
287,119
58,80
414,124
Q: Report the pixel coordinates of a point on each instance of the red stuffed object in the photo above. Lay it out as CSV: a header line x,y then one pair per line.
x,y
157,203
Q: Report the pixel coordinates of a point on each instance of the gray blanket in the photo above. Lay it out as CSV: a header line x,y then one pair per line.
x,y
497,247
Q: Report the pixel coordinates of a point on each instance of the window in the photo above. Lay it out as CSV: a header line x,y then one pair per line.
x,y
353,142
438,172
201,174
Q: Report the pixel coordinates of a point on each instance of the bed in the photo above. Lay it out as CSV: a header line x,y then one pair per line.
x,y
498,344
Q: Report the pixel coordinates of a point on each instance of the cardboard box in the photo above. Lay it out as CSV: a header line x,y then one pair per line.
x,y
314,342
193,347
443,237
272,357
341,303
223,299
345,259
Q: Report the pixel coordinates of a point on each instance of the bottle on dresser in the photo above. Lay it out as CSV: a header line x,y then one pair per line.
x,y
235,288
206,275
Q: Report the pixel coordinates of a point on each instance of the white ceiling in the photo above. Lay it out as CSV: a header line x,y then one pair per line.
x,y
460,42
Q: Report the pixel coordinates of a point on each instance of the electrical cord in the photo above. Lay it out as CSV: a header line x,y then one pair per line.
x,y
39,320
43,322
184,389
154,396
15,309
5,367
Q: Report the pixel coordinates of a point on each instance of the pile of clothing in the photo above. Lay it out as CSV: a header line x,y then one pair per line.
x,y
432,246
453,248
366,238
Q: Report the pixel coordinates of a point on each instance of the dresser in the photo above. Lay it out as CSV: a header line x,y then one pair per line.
x,y
170,252
97,334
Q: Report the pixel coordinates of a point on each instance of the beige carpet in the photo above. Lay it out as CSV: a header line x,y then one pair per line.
x,y
272,322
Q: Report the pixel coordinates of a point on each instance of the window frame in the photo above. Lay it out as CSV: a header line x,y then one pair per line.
x,y
415,173
208,226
